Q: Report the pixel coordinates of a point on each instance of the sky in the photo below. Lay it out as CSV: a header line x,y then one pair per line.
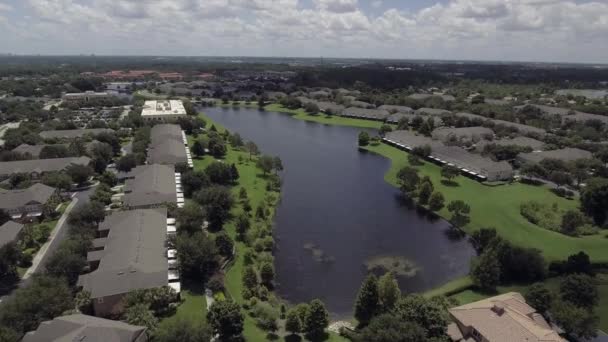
x,y
509,30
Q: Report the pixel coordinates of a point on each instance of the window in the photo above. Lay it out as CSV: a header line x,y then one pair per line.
x,y
100,300
476,335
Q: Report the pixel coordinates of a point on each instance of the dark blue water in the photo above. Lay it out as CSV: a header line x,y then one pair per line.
x,y
337,212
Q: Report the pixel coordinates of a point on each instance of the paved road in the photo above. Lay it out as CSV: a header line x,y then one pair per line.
x,y
59,234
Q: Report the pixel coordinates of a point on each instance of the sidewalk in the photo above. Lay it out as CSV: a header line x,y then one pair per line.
x,y
44,249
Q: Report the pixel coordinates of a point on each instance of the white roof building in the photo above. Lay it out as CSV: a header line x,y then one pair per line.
x,y
163,111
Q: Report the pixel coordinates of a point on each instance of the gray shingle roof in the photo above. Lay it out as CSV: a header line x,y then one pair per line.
x,y
134,256
73,133
83,328
40,165
166,146
520,127
33,150
376,114
36,194
9,232
150,185
397,109
567,114
445,133
564,154
432,111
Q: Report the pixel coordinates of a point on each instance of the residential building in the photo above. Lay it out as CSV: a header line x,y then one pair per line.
x,y
84,328
462,134
361,104
73,133
566,114
397,109
470,164
330,108
130,253
362,113
521,128
432,111
168,146
163,111
149,186
32,150
85,97
503,318
394,118
565,154
37,168
28,202
9,232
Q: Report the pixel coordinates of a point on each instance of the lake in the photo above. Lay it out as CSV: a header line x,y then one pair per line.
x,y
337,216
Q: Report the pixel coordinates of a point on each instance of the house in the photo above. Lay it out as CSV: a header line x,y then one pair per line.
x,y
566,114
168,146
565,154
163,111
330,108
395,118
473,134
503,318
73,133
129,253
85,97
432,111
397,109
84,328
28,202
149,186
470,164
9,232
37,168
362,113
521,128
32,150
361,104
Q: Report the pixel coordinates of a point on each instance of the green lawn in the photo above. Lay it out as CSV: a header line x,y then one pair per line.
x,y
193,307
300,114
498,207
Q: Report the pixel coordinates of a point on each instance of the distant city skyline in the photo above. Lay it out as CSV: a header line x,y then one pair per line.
x,y
498,30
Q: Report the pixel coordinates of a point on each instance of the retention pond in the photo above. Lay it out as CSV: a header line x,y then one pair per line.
x,y
338,219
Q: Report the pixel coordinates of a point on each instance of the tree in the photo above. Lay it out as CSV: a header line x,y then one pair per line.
x,y
250,278
108,178
424,193
226,319
460,211
193,181
388,291
363,138
267,274
485,270
190,218
217,202
224,244
183,330
539,297
277,164
449,172
197,149
86,215
140,314
266,163
220,173
436,202
197,256
482,238
385,129
580,290
252,148
79,173
317,318
126,162
217,147
408,180
367,303
9,335
57,180
292,322
426,313
577,322
594,199
45,298
389,328
68,261
571,221
242,225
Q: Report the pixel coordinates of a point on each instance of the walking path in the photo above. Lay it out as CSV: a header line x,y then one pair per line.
x,y
44,249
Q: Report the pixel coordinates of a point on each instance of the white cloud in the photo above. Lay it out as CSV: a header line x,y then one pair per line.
x,y
472,29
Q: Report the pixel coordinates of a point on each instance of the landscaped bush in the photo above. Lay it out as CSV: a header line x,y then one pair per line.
x,y
543,215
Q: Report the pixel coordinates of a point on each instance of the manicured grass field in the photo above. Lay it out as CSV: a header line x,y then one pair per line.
x,y
498,207
300,114
193,308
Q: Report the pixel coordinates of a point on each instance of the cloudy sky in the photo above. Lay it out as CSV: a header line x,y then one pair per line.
x,y
515,30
